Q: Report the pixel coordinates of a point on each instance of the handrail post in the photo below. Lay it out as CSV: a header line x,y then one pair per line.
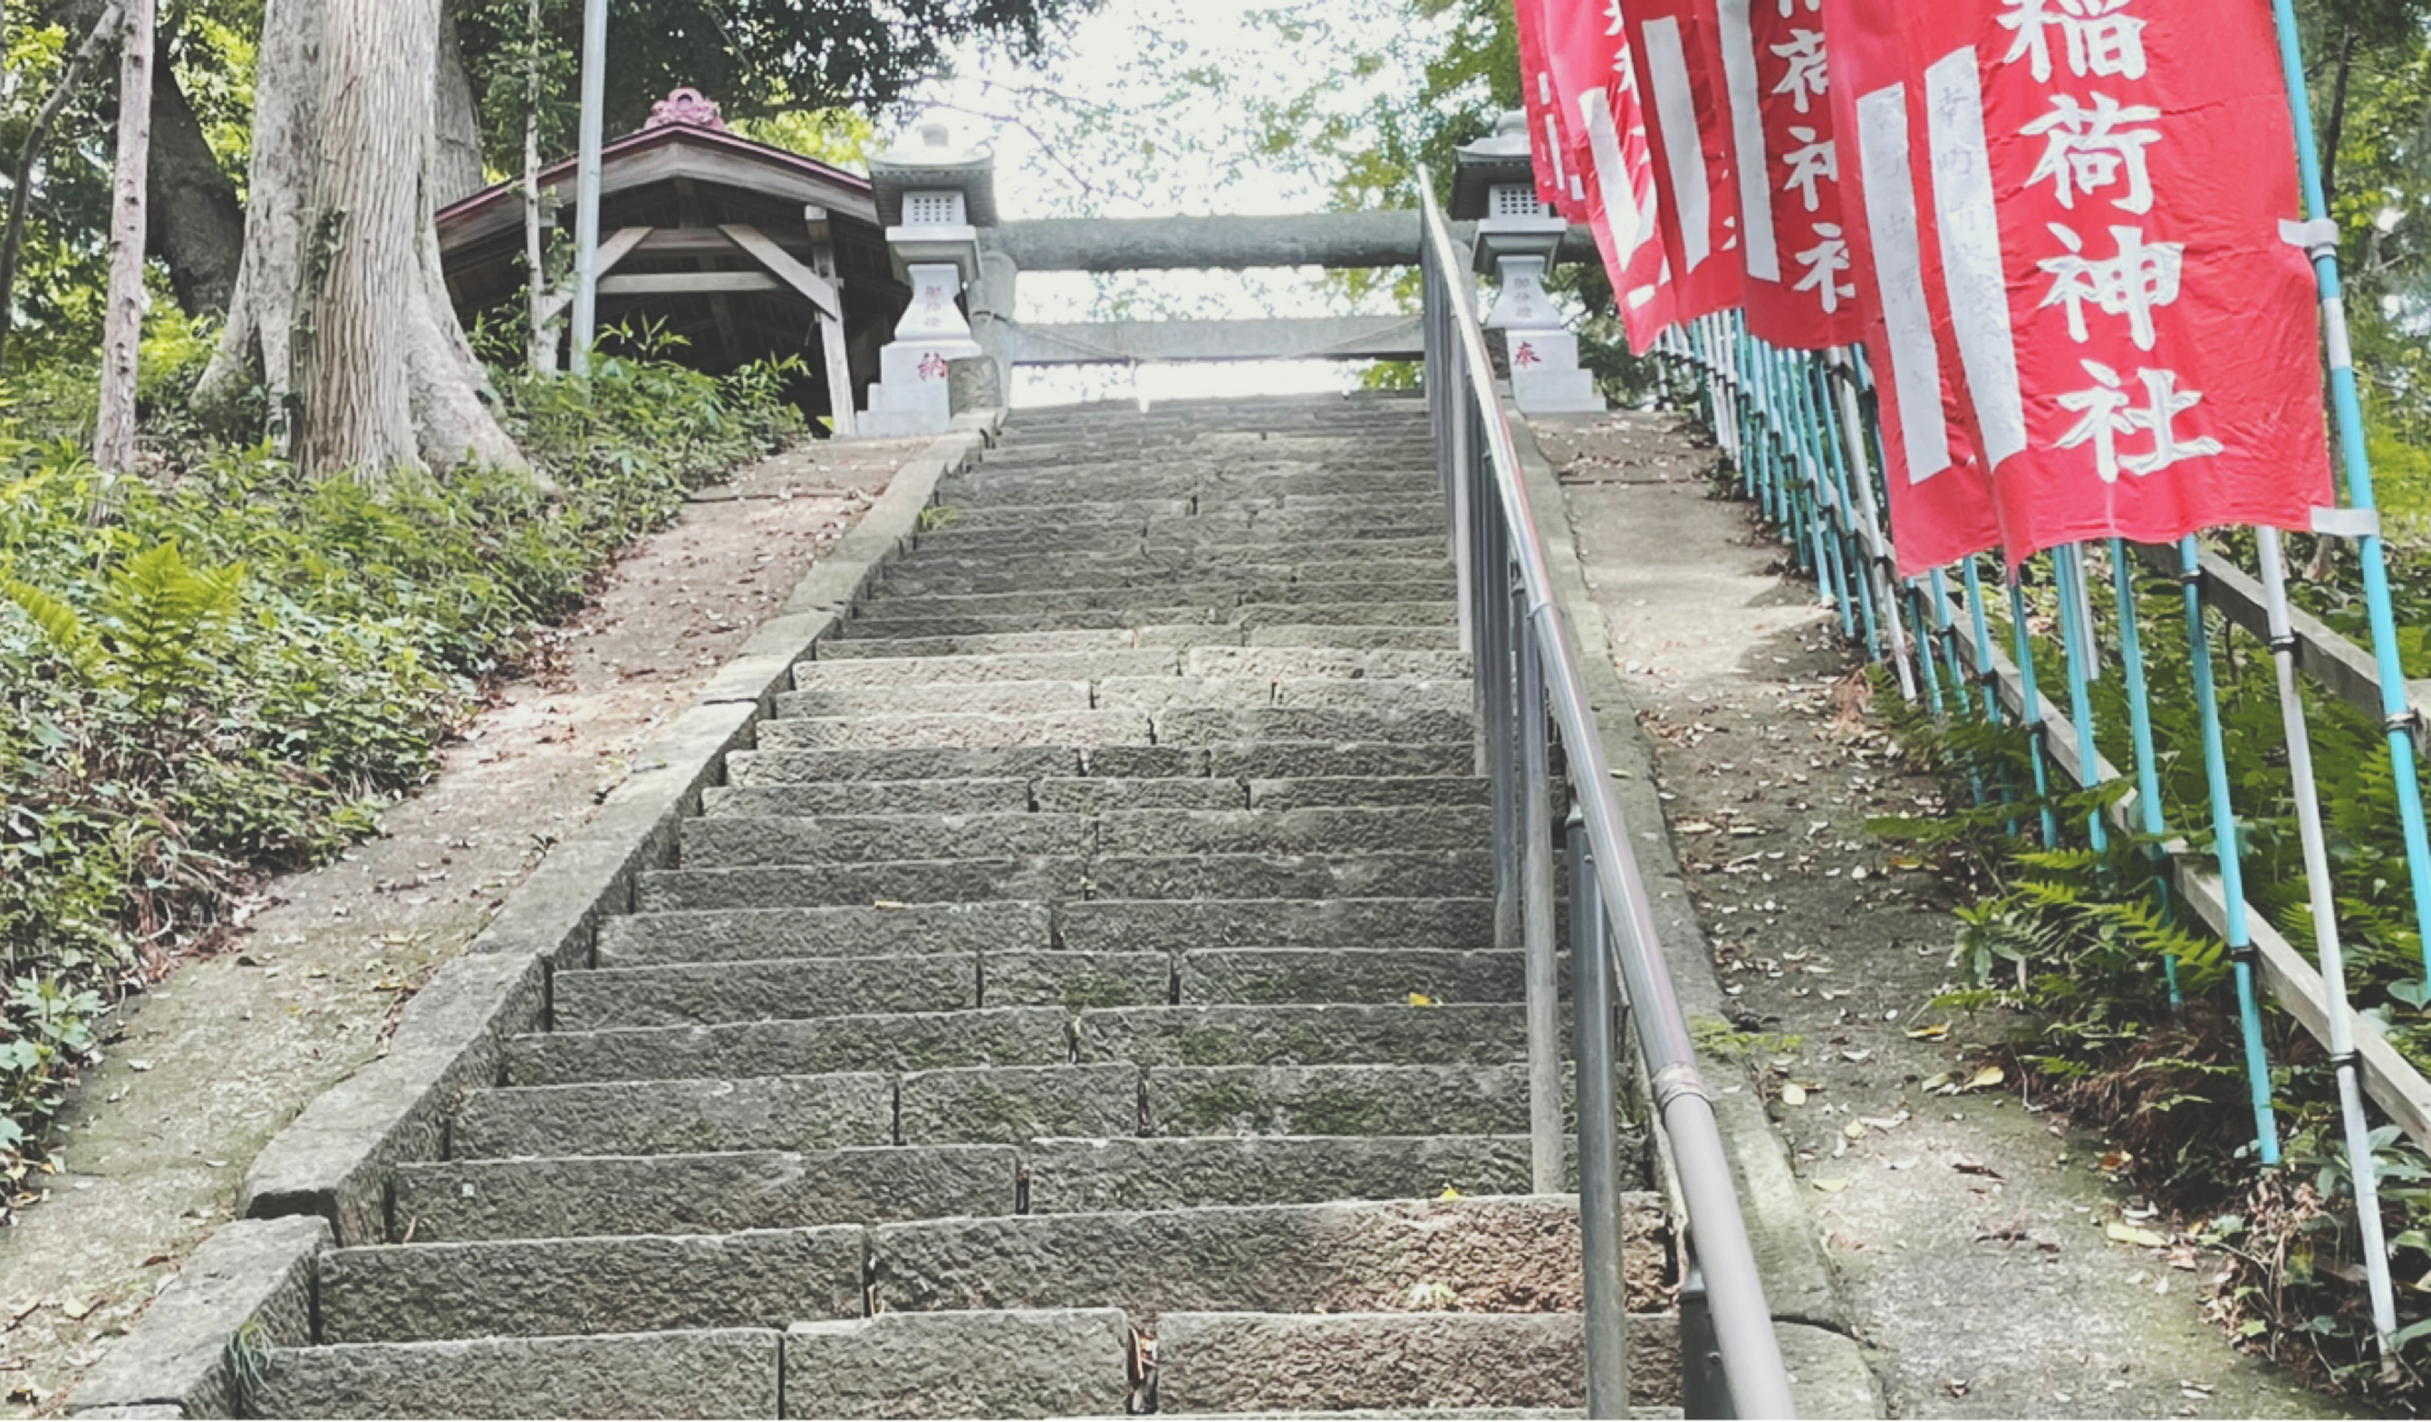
x,y
1536,919
1599,1196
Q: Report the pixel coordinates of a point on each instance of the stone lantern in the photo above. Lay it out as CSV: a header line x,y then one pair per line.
x,y
1518,239
933,196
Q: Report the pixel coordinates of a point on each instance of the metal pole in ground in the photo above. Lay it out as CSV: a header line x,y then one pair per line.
x,y
2232,859
2076,640
2139,728
1536,917
2324,903
1842,378
1983,668
2397,714
1599,1168
586,182
2031,703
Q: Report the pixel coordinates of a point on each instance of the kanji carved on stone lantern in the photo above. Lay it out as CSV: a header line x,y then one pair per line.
x,y
933,195
1517,241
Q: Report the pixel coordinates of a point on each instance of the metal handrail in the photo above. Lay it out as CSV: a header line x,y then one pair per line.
x,y
1506,591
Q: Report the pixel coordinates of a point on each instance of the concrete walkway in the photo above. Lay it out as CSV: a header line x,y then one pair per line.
x,y
1968,1229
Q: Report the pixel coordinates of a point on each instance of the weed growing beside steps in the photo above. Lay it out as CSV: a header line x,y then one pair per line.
x,y
220,670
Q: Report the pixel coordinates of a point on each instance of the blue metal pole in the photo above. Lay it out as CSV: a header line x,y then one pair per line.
x,y
2076,640
2232,862
1855,563
2379,607
2139,727
2030,697
1983,663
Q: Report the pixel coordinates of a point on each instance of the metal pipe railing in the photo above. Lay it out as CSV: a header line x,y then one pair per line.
x,y
1508,603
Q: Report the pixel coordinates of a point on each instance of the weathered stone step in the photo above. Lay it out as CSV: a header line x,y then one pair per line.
x,y
1347,635
1232,1362
899,621
1323,662
1457,873
1307,792
1408,1100
1007,1105
959,730
1203,725
988,645
836,1111
1340,759
1070,593
1302,1035
745,935
966,671
1184,1172
735,841
554,1197
984,698
1077,980
1427,578
1310,831
1349,975
793,767
584,1000
895,1041
928,881
660,1373
1063,795
403,1293
1415,921
1004,1363
1238,760
1503,1253
864,644
1162,693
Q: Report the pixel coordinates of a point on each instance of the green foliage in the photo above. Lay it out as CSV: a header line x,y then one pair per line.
x,y
229,669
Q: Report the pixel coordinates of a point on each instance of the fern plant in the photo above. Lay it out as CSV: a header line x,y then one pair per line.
x,y
160,618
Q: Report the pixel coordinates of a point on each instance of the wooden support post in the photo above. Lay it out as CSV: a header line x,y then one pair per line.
x,y
840,394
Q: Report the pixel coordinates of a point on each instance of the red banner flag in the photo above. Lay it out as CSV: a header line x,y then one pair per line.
x,y
1672,43
1941,499
2132,315
1801,282
1596,84
1549,136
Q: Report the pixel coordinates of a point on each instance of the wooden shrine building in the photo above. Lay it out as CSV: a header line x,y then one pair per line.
x,y
744,250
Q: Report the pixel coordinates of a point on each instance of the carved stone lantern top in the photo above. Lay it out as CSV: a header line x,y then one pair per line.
x,y
686,106
929,161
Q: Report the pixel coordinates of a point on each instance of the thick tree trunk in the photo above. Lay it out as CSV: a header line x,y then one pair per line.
x,y
122,318
198,226
457,171
340,310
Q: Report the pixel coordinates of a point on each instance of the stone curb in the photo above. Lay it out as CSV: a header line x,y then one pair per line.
x,y
1806,1294
249,1286
323,1179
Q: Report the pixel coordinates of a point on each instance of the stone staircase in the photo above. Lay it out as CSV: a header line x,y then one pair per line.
x,y
1083,1001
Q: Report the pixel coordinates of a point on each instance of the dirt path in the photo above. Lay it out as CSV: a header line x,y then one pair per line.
x,y
1969,1225
229,1049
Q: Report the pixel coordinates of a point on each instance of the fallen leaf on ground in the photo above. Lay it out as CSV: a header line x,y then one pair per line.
x,y
1793,1095
2132,1234
1832,1185
1987,1076
1933,1033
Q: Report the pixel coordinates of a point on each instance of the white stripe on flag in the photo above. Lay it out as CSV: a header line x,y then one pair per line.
x,y
1612,174
1667,59
1890,207
1553,130
1971,251
1747,129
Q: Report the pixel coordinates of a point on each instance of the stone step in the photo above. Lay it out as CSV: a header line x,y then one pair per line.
x,y
922,576
1077,980
986,645
984,698
1310,831
837,1111
405,1293
999,1363
1348,975
931,881
909,620
1063,795
1340,759
1323,662
746,935
1409,1100
1068,593
736,841
1379,791
1197,725
552,1197
1346,635
1418,922
660,1373
894,1041
794,767
959,730
684,994
1234,1362
1008,1105
967,671
1238,760
1164,693
1301,1035
1460,873
1185,1172
1498,1253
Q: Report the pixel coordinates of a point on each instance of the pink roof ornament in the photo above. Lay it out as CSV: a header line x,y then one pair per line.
x,y
686,106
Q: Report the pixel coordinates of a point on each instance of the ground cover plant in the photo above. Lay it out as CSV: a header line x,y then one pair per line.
x,y
218,669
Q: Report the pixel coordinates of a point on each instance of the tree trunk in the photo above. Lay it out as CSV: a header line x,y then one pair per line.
x,y
457,171
541,348
198,226
340,310
122,318
21,190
